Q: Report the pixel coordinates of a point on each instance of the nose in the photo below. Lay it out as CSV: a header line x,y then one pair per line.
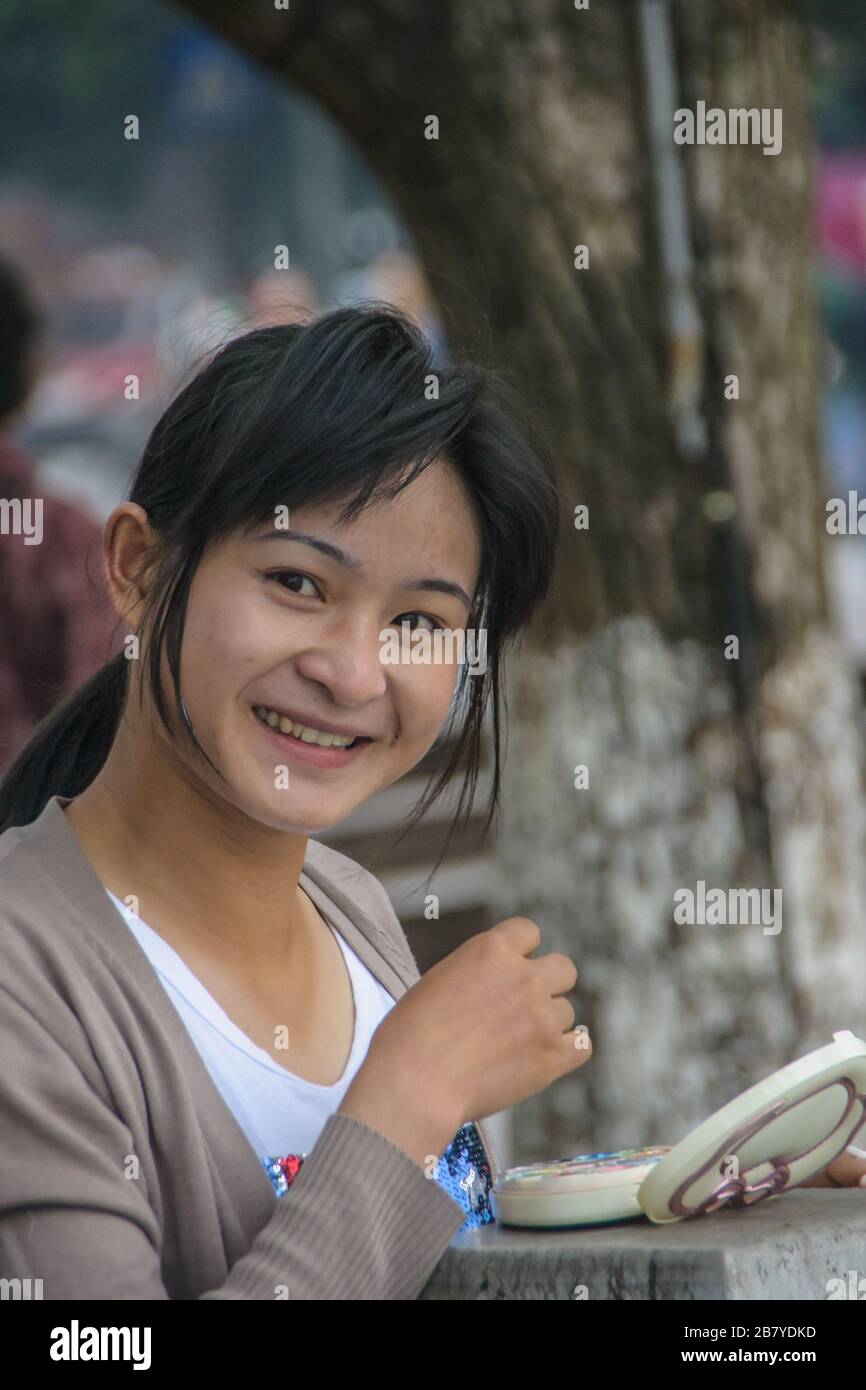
x,y
346,661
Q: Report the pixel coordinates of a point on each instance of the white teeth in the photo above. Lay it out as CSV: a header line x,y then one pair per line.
x,y
302,731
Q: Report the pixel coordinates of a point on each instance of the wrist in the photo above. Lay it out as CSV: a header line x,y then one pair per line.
x,y
403,1109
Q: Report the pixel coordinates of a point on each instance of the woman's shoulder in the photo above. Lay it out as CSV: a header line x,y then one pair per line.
x,y
32,908
28,864
47,895
47,964
19,871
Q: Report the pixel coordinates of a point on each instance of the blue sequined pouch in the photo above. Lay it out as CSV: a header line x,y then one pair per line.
x,y
463,1170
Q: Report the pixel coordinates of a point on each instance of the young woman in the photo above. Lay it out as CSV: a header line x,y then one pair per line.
x,y
222,1077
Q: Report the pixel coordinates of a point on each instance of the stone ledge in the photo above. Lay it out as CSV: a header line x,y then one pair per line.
x,y
785,1247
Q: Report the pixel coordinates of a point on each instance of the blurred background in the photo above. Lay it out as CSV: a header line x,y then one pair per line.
x,y
131,257
139,260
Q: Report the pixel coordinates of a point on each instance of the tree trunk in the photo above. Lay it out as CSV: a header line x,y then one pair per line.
x,y
738,772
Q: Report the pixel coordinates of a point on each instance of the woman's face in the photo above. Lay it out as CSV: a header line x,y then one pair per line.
x,y
277,624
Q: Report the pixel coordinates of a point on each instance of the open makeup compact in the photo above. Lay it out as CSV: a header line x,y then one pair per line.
x,y
774,1136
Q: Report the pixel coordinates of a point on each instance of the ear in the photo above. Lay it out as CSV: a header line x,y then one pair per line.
x,y
129,547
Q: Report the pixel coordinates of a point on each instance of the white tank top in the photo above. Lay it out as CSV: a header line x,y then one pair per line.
x,y
283,1115
280,1114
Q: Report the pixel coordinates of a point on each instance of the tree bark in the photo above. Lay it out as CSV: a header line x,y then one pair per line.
x,y
741,773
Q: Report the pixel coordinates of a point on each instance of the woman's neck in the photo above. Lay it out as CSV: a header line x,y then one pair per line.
x,y
151,835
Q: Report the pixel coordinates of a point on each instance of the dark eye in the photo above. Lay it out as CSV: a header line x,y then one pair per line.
x,y
294,576
434,623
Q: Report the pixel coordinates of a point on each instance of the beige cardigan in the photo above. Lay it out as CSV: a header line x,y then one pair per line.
x,y
123,1173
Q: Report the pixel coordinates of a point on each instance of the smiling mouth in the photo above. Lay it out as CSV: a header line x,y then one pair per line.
x,y
306,733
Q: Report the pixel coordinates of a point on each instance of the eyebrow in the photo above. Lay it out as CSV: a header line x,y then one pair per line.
x,y
334,552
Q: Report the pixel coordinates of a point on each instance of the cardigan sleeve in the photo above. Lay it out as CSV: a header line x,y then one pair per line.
x,y
362,1220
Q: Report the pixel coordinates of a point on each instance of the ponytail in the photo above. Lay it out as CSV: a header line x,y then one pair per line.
x,y
68,748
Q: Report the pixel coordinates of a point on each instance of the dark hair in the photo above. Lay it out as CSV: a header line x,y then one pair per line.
x,y
346,407
20,324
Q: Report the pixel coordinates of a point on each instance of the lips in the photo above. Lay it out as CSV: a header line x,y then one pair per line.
x,y
300,727
314,754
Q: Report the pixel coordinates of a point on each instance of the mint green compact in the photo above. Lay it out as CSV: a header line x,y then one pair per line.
x,y
773,1137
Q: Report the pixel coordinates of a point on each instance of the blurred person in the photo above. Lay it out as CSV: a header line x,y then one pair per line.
x,y
56,621
398,276
281,296
402,276
201,325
